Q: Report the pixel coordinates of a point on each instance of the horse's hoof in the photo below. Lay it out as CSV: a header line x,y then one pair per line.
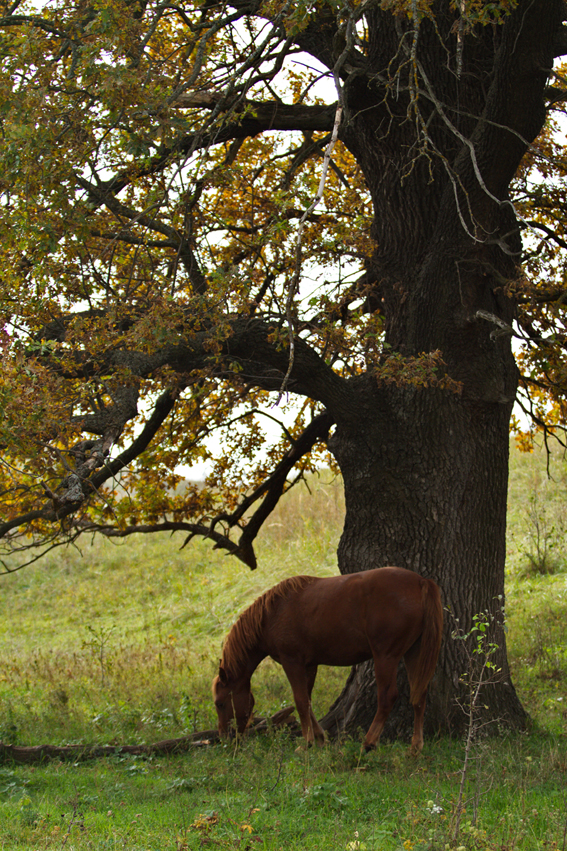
x,y
367,748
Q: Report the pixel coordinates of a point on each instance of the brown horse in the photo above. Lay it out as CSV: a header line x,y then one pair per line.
x,y
383,614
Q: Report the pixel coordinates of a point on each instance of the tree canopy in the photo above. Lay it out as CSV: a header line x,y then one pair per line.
x,y
187,233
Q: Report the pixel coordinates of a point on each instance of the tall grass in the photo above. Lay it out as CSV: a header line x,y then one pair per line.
x,y
536,583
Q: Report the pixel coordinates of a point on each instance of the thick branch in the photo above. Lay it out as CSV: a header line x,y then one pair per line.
x,y
256,117
560,42
515,110
252,345
80,486
34,21
262,362
548,231
273,488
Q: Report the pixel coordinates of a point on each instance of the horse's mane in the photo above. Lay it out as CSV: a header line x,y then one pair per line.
x,y
246,632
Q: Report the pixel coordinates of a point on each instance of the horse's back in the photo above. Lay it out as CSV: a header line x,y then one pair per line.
x,y
387,589
340,620
390,603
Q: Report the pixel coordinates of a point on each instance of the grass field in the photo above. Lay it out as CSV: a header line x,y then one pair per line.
x,y
119,643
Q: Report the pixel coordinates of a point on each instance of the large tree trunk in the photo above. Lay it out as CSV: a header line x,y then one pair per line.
x,y
425,483
425,470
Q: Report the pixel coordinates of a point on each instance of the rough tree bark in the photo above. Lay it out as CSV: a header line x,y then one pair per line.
x,y
425,485
425,473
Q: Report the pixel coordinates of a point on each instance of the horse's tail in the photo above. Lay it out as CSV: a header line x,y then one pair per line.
x,y
430,639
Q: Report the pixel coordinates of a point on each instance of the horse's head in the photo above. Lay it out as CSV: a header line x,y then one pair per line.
x,y
233,699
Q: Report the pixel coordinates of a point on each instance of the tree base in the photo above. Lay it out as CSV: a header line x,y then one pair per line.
x,y
354,709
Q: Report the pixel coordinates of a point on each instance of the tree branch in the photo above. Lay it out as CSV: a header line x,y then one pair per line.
x,y
273,488
516,97
79,487
560,42
194,529
250,342
256,117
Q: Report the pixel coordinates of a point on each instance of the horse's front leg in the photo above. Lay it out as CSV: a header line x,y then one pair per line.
x,y
301,680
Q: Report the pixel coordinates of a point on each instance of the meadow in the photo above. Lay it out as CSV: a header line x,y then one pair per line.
x,y
118,643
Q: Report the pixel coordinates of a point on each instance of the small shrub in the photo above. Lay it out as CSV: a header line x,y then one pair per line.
x,y
544,543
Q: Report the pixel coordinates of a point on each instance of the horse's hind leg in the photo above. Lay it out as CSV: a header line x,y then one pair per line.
x,y
317,729
386,674
410,660
301,680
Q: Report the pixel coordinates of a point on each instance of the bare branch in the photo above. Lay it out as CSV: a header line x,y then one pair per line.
x,y
193,529
273,487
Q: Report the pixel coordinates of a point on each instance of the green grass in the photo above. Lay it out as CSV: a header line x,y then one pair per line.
x,y
119,643
536,585
267,795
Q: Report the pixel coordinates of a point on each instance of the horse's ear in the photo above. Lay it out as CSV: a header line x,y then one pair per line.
x,y
223,677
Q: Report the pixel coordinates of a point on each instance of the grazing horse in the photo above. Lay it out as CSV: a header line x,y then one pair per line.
x,y
383,614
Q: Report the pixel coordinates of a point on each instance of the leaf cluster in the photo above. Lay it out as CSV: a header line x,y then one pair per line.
x,y
539,192
173,267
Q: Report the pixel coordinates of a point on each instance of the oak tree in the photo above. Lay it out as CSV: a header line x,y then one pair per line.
x,y
217,215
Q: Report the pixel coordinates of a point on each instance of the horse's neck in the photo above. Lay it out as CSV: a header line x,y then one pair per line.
x,y
244,667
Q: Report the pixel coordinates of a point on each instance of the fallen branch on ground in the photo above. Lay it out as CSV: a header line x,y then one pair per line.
x,y
43,753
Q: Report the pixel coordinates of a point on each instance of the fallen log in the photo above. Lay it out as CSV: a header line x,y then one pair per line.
x,y
43,753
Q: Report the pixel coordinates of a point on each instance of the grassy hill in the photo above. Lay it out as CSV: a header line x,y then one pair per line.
x,y
119,642
121,639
